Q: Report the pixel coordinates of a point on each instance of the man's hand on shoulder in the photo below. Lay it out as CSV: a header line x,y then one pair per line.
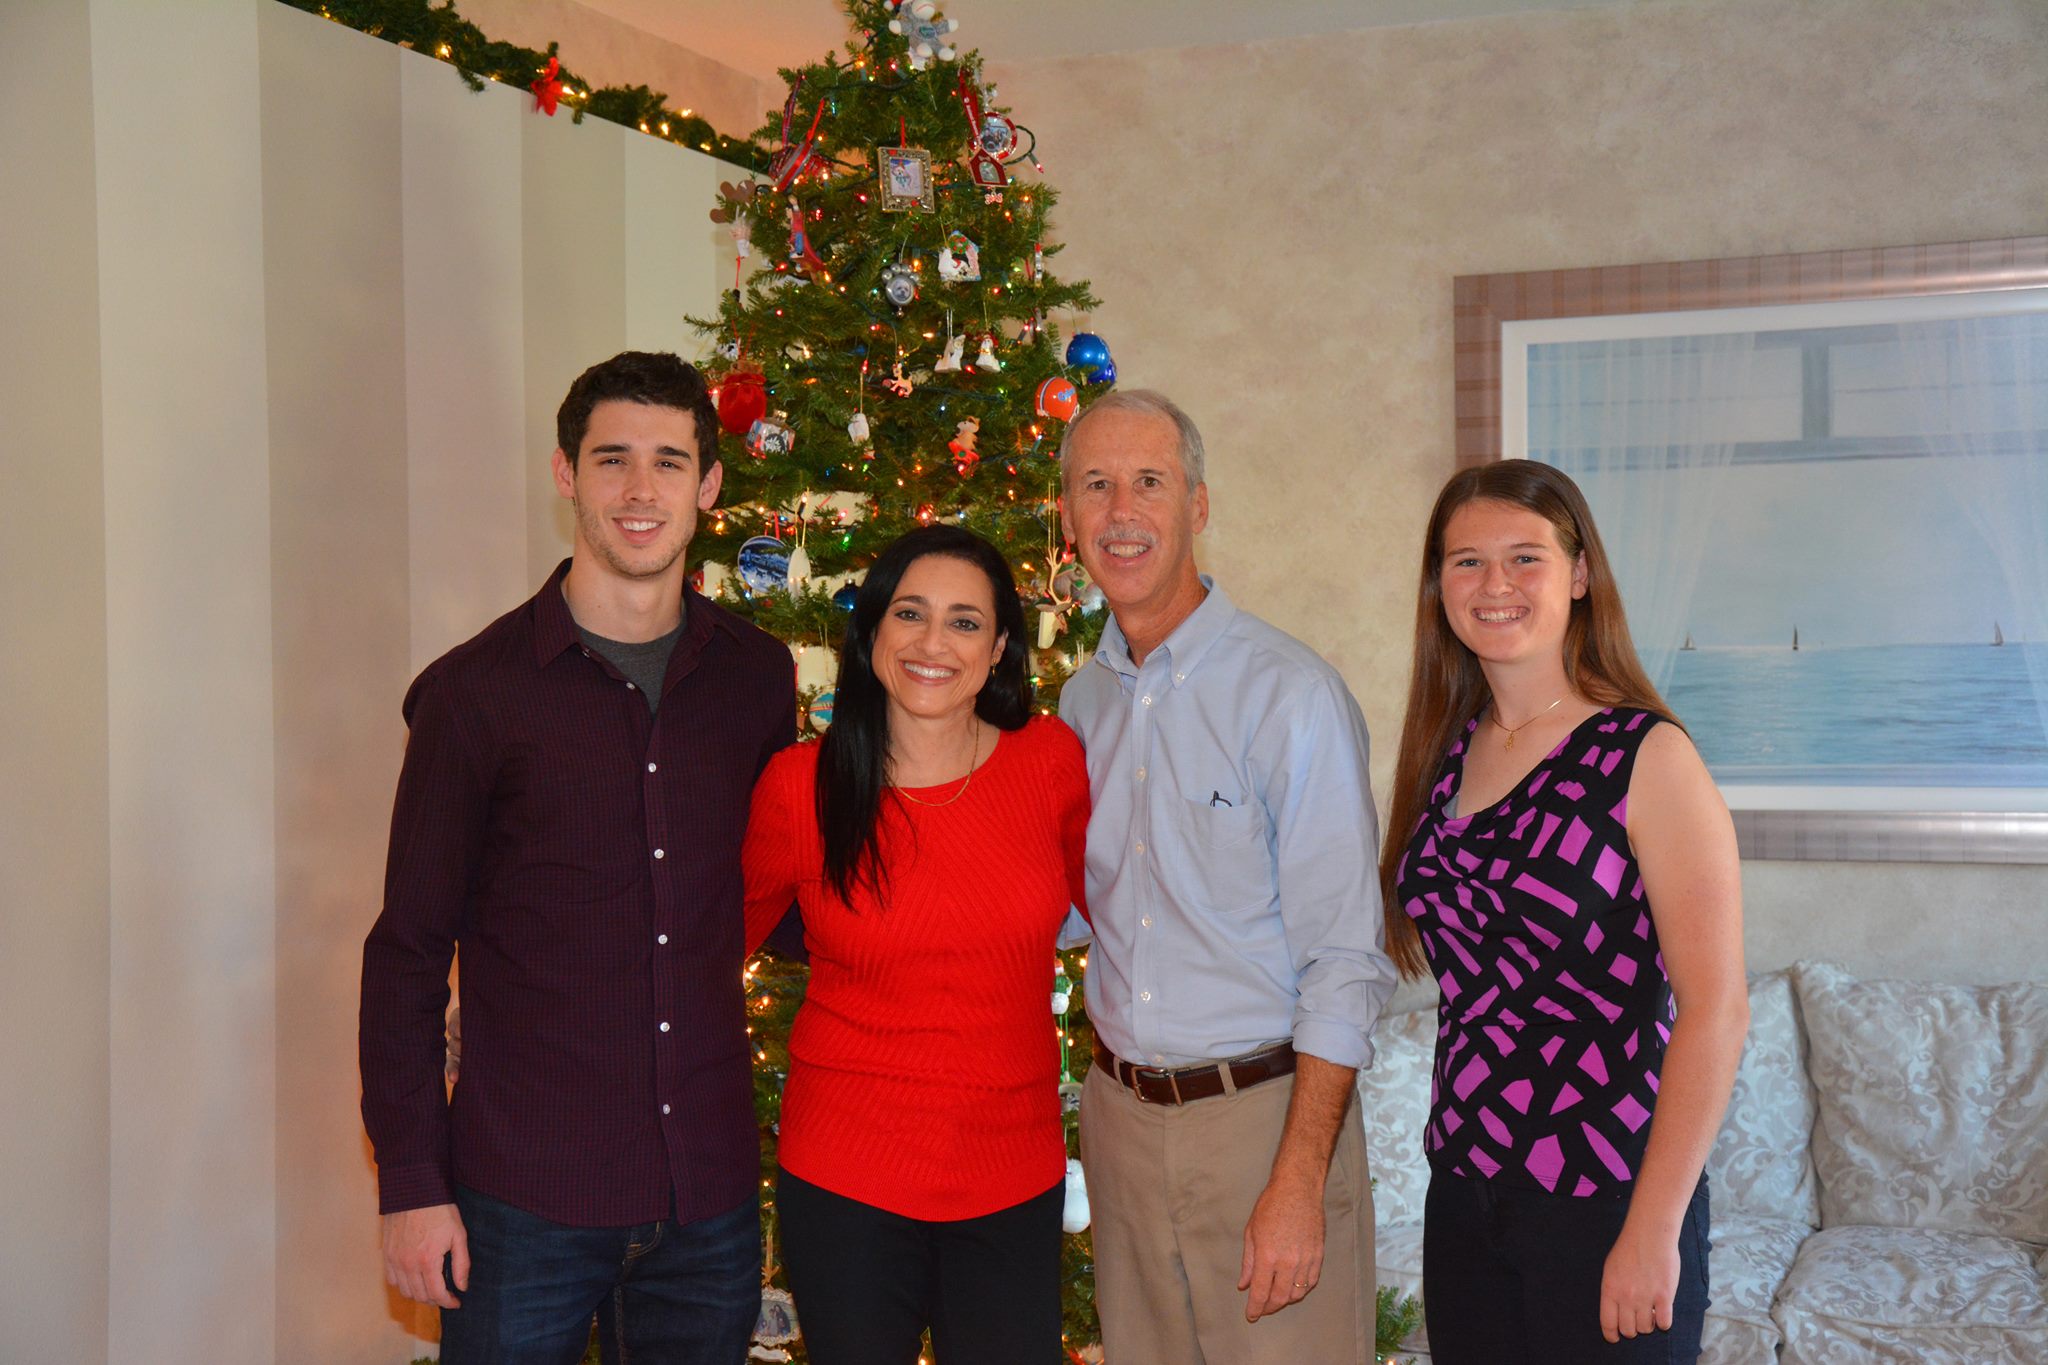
x,y
415,1243
1283,1243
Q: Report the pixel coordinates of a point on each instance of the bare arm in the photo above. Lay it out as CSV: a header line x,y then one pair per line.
x,y
1685,845
1283,1242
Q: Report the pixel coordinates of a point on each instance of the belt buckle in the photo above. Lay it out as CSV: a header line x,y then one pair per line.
x,y
1173,1082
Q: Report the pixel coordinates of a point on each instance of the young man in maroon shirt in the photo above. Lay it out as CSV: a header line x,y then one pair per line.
x,y
570,814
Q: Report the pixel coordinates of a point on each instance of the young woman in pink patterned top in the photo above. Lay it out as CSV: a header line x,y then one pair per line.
x,y
1559,858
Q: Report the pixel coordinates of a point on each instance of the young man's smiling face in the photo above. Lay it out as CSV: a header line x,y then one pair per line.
x,y
637,487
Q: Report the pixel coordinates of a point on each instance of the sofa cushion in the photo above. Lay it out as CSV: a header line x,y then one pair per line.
x,y
1394,1093
1860,1294
1746,1262
1760,1163
1931,1100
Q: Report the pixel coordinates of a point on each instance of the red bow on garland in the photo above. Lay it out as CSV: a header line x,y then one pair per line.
x,y
547,91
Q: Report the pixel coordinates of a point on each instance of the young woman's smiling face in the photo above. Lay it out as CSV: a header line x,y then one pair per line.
x,y
1507,585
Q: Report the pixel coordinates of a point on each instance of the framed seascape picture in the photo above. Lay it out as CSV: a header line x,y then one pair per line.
x,y
1823,484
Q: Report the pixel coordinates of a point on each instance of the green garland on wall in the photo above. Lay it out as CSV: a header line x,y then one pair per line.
x,y
440,32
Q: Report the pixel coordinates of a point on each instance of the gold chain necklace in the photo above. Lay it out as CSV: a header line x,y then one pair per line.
x,y
1512,731
973,759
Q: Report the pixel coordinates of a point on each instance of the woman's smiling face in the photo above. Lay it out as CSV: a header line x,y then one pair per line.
x,y
1507,585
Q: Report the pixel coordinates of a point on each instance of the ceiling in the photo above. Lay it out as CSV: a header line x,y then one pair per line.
x,y
758,36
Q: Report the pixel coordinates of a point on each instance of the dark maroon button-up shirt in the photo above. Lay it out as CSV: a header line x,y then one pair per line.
x,y
585,855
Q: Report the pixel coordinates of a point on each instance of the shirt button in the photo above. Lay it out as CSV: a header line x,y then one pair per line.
x,y
663,938
631,688
1142,995
1148,701
664,1024
1180,677
1141,849
661,853
664,1109
650,767
1141,774
1146,922
1157,1059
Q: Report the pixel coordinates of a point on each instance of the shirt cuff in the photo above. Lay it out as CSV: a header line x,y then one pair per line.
x,y
1335,1042
412,1187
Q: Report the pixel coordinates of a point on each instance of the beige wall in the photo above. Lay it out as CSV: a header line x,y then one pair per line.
x,y
53,690
1274,229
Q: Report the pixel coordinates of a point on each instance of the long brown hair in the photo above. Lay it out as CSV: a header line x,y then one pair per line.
x,y
1447,688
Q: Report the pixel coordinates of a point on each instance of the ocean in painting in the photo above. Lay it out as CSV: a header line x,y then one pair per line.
x,y
1876,715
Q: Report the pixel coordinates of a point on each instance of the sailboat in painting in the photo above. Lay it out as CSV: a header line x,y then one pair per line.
x,y
1688,645
1997,635
1795,639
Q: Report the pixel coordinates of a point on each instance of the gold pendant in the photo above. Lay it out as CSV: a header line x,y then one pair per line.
x,y
1511,742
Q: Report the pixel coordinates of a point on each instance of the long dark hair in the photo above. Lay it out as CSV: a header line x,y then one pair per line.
x,y
853,758
1448,689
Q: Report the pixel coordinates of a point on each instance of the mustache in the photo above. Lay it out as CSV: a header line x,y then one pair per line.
x,y
1137,534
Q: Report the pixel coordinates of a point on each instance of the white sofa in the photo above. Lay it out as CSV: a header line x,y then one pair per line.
x,y
1880,1185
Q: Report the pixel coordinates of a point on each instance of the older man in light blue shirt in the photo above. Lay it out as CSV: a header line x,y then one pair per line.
x,y
1238,968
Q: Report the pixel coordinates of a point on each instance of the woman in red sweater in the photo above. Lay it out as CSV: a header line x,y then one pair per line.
x,y
934,841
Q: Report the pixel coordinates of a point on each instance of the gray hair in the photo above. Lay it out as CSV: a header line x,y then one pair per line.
x,y
1152,403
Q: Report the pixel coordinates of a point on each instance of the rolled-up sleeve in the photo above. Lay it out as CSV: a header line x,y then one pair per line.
x,y
1326,856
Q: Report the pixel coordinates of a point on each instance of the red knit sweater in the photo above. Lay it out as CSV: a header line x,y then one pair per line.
x,y
924,1060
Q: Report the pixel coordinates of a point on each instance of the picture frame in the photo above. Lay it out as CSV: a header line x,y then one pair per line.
x,y
905,175
1498,318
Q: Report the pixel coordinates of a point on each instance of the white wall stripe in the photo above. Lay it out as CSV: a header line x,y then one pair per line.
x,y
183,403
464,354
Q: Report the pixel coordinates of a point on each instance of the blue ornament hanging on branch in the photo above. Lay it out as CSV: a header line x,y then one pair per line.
x,y
1089,354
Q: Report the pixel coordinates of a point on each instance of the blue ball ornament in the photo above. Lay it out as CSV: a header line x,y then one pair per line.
x,y
1105,373
844,598
1089,354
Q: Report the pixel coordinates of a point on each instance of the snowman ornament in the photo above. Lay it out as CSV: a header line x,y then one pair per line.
x,y
919,21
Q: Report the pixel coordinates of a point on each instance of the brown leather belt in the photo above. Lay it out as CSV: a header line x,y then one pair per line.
x,y
1181,1085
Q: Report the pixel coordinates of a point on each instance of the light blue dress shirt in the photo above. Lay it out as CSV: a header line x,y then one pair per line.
x,y
1232,855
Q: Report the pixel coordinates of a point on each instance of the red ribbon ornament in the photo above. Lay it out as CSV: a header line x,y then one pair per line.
x,y
989,140
547,91
795,159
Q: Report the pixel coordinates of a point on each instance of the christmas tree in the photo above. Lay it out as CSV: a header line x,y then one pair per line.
x,y
887,359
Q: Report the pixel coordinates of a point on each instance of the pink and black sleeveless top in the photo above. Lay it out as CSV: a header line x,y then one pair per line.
x,y
1555,1006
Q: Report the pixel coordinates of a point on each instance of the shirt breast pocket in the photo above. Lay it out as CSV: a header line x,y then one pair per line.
x,y
1228,865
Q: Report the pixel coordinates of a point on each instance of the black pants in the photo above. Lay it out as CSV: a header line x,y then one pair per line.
x,y
867,1283
1511,1276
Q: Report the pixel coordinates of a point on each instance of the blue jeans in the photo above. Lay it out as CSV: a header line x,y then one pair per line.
x,y
1511,1276
681,1293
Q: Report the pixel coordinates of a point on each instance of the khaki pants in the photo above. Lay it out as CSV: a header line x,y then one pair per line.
x,y
1171,1188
